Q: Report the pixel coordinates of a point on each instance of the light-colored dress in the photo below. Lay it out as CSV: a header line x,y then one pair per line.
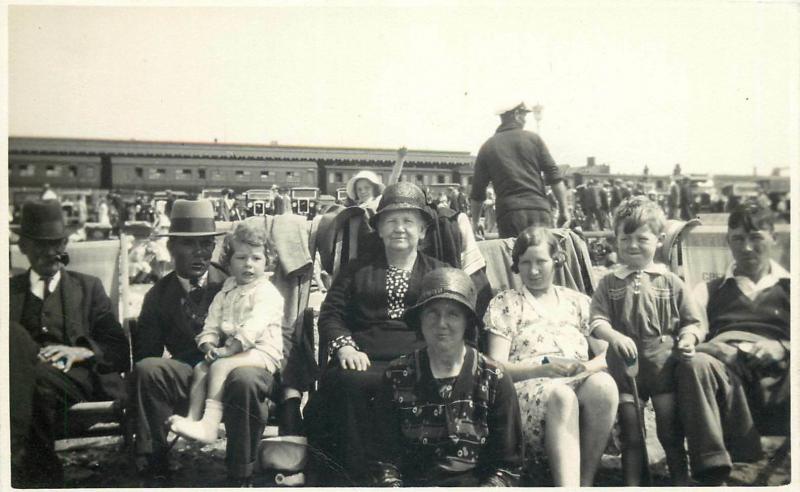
x,y
536,332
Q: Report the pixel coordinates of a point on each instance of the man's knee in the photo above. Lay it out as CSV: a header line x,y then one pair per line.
x,y
695,367
247,380
148,369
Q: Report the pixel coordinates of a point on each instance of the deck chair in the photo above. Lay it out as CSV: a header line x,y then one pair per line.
x,y
576,274
705,253
106,260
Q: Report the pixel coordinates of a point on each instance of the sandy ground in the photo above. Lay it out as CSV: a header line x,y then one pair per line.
x,y
103,462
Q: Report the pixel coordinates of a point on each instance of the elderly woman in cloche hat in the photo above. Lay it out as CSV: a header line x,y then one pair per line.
x,y
361,326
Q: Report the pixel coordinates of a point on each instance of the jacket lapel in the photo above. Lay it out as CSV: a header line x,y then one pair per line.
x,y
18,288
71,302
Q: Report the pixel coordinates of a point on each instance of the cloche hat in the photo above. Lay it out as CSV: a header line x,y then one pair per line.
x,y
42,219
369,176
401,196
446,283
192,218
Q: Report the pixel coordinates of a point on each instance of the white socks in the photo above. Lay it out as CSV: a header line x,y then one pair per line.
x,y
205,430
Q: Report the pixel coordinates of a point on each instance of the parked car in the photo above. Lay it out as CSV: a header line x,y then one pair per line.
x,y
304,200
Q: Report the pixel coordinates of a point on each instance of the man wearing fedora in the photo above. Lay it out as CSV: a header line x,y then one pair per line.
x,y
65,346
173,313
519,166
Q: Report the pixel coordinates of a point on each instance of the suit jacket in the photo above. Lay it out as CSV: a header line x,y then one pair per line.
x,y
89,322
165,319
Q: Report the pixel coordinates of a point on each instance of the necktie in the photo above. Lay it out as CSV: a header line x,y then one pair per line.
x,y
195,294
46,290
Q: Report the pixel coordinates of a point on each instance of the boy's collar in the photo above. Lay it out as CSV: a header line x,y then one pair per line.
x,y
622,271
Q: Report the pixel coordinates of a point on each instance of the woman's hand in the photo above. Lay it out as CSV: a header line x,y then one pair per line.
x,y
577,368
625,347
350,358
63,356
559,369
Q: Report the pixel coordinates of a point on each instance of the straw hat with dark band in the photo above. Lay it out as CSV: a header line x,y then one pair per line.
x,y
192,218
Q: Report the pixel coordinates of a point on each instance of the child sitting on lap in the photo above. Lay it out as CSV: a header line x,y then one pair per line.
x,y
243,329
644,311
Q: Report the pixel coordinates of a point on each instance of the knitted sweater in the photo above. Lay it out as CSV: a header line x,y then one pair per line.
x,y
730,310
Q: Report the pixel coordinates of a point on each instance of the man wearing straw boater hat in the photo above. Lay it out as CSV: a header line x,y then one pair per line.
x,y
173,313
65,346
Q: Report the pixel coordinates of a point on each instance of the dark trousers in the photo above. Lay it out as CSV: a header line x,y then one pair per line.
x,y
713,409
341,420
160,388
510,224
39,397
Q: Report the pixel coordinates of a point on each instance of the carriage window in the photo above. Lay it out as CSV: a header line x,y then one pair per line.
x,y
242,174
201,173
52,171
26,170
292,176
339,178
265,175
183,174
157,173
440,178
140,172
420,179
73,171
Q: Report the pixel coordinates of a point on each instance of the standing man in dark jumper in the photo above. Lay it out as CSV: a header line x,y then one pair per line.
x,y
173,313
737,385
519,166
65,346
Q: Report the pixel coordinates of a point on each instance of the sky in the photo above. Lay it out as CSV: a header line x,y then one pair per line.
x,y
712,85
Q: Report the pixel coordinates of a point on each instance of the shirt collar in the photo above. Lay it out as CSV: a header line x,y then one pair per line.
x,y
187,285
622,271
775,269
37,286
510,125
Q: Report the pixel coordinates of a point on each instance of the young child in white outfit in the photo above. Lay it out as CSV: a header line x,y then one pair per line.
x,y
242,329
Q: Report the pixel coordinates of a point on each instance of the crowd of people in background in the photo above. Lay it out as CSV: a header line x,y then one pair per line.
x,y
432,379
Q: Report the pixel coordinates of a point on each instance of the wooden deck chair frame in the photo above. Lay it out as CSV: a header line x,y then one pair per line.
x,y
86,419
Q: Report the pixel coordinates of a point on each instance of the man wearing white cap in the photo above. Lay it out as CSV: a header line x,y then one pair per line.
x,y
519,166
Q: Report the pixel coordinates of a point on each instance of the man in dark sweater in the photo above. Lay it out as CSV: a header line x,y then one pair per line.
x,y
737,385
518,165
173,313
